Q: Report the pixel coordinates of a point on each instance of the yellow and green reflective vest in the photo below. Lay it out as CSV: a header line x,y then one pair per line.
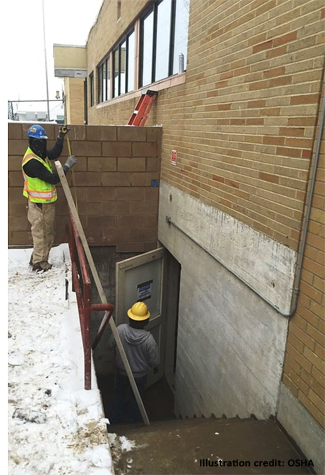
x,y
37,190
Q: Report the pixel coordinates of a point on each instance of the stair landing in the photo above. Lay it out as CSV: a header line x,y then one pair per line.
x,y
208,446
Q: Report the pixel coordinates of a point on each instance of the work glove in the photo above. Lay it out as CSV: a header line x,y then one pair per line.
x,y
63,130
71,161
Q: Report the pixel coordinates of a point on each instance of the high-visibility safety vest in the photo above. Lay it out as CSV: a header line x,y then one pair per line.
x,y
37,190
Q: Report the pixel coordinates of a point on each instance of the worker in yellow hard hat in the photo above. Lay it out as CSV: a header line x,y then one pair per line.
x,y
142,353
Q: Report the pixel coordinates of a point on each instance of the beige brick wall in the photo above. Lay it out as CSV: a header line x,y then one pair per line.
x,y
116,201
304,367
244,125
74,94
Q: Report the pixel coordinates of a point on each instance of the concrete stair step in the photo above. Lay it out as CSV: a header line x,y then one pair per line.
x,y
189,446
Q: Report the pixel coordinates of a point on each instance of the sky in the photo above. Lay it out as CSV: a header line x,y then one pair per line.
x,y
54,425
66,22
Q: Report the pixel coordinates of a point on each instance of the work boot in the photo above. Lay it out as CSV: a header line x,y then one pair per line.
x,y
46,266
41,267
31,260
37,268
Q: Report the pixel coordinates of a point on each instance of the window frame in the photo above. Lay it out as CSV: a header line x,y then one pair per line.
x,y
114,51
104,94
91,89
118,47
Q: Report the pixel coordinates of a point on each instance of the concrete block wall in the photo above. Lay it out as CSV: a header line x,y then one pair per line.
x,y
116,200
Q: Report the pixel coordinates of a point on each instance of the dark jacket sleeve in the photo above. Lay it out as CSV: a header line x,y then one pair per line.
x,y
56,151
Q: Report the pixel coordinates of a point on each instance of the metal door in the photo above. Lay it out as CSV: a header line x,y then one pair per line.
x,y
140,278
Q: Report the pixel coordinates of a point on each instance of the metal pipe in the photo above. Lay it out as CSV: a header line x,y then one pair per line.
x,y
310,198
181,63
45,56
303,239
37,100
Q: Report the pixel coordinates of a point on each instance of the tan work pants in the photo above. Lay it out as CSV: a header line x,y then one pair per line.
x,y
42,220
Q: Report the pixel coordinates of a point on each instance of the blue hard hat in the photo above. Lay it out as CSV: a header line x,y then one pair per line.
x,y
37,132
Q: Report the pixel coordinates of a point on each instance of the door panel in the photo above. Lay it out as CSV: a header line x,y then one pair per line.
x,y
140,278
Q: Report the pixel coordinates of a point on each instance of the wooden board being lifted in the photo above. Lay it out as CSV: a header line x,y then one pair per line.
x,y
99,286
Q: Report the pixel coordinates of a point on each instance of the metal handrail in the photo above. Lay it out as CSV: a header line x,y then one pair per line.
x,y
81,285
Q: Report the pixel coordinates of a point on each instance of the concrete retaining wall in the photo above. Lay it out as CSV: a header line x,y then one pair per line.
x,y
231,343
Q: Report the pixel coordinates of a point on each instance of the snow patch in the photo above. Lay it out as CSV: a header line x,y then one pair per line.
x,y
55,426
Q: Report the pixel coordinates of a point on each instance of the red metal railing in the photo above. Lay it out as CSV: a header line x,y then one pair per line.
x,y
81,285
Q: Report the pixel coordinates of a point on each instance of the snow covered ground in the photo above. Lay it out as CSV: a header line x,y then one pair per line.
x,y
54,425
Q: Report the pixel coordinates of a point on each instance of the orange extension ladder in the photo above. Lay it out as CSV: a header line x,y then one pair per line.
x,y
142,109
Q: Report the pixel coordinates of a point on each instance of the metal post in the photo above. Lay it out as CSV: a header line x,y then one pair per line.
x,y
45,56
181,63
87,347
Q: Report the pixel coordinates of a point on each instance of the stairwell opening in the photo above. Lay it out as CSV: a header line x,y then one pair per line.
x,y
159,397
248,440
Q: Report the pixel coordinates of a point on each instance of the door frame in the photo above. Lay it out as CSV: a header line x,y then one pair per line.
x,y
170,291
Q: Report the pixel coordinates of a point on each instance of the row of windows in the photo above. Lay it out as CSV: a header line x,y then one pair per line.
x,y
163,51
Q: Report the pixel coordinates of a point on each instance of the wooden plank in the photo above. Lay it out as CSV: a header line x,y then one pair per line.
x,y
100,289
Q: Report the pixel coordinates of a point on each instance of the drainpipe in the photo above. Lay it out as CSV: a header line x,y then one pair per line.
x,y
303,239
308,210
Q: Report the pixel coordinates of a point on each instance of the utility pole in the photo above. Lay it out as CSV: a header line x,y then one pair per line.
x,y
45,56
10,111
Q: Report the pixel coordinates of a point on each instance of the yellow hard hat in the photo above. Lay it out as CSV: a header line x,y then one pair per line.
x,y
139,311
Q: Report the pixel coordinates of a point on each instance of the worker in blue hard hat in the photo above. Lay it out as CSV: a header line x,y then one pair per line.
x,y
142,354
40,191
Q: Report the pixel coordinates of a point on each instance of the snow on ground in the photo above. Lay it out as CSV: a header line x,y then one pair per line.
x,y
54,425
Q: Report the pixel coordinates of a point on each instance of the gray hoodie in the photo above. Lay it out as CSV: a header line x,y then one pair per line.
x,y
140,348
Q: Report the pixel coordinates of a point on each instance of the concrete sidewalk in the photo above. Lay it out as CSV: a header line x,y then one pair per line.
x,y
209,446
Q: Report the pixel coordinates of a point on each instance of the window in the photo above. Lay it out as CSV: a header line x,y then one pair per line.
x,y
123,68
163,38
91,89
146,49
181,34
130,61
123,65
104,83
164,35
116,65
